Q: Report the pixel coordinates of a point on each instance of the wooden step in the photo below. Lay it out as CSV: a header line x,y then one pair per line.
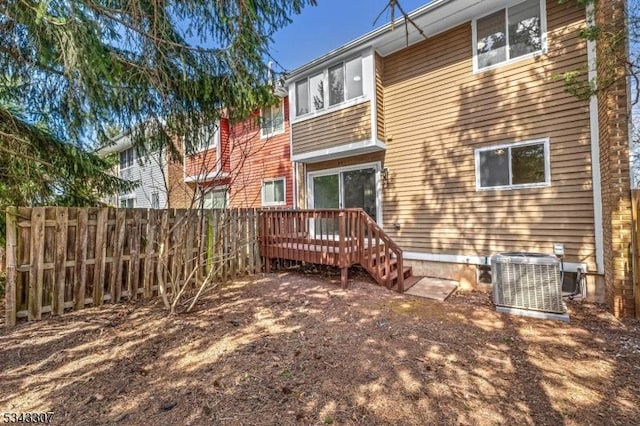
x,y
408,282
406,272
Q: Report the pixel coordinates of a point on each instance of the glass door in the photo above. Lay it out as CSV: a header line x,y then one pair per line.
x,y
346,188
359,190
326,195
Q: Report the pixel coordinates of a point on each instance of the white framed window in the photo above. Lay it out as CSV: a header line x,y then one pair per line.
x,y
274,192
127,203
127,158
510,166
206,138
155,200
272,120
509,34
215,198
337,84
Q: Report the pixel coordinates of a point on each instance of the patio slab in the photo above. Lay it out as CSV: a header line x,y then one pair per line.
x,y
433,288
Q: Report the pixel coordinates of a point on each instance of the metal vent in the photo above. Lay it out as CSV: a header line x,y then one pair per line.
x,y
527,281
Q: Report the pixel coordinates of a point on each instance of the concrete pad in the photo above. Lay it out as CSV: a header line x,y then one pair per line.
x,y
534,314
433,288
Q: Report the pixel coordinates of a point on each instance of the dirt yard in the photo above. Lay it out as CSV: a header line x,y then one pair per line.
x,y
295,349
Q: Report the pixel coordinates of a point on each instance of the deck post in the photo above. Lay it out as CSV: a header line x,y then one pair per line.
x,y
342,252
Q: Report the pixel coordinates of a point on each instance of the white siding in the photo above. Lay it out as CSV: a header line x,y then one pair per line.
x,y
149,171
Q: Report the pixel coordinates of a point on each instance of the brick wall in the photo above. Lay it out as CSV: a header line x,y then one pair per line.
x,y
180,195
613,116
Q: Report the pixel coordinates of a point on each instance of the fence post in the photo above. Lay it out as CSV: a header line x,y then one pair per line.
x,y
34,304
10,289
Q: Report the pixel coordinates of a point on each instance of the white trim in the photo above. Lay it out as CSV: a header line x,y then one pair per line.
x,y
324,71
206,178
595,150
474,260
274,203
360,147
508,146
277,132
337,170
543,37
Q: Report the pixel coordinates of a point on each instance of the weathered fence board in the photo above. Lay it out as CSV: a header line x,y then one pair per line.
x,y
68,258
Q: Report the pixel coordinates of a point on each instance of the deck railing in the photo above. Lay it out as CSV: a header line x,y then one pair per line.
x,y
332,237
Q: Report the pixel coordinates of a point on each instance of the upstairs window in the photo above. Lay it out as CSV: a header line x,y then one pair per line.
x,y
518,165
205,138
272,121
127,157
338,84
509,33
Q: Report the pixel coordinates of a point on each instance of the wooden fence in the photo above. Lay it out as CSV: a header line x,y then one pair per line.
x,y
68,258
635,209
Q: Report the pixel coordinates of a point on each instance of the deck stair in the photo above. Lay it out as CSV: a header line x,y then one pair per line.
x,y
341,238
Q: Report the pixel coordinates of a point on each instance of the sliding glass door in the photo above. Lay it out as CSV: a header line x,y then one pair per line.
x,y
349,187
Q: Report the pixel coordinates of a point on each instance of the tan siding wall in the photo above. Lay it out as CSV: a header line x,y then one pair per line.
x,y
380,98
437,111
333,129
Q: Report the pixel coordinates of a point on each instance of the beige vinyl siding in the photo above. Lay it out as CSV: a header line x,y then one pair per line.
x,y
437,112
347,161
379,98
346,125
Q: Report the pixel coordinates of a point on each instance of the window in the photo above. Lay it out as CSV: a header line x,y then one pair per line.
x,y
519,165
272,121
127,157
509,33
344,82
127,203
215,199
205,138
273,192
155,200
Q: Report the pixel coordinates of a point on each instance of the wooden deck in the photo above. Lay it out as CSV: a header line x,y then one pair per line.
x,y
341,238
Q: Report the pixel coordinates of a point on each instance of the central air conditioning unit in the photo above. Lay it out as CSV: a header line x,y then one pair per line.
x,y
527,281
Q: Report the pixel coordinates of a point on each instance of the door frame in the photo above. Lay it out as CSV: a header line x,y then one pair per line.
x,y
337,170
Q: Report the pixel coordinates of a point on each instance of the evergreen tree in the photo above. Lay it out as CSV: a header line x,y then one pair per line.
x,y
72,70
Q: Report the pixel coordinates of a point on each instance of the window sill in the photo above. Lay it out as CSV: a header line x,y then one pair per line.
x,y
351,102
270,135
512,187
278,204
536,54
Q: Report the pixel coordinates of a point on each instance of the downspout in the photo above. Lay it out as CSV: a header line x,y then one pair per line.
x,y
595,148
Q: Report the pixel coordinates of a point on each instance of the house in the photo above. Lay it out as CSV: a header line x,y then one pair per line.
x,y
160,179
244,164
461,142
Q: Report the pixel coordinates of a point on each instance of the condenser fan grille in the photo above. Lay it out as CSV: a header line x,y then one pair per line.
x,y
527,281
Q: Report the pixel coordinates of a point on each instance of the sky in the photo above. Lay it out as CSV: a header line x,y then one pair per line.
x,y
332,23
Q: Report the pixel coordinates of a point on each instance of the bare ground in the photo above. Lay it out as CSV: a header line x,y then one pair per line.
x,y
295,349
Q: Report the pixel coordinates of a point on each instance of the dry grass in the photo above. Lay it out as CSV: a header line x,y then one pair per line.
x,y
294,349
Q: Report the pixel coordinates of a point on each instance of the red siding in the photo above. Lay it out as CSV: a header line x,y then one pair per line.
x,y
254,159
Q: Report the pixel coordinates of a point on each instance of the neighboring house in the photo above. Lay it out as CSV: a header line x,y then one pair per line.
x,y
463,144
160,181
245,164
206,166
261,160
